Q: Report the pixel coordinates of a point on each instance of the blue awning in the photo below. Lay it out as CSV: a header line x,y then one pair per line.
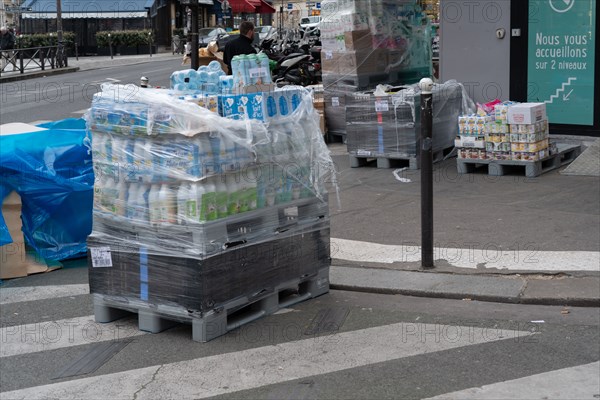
x,y
46,9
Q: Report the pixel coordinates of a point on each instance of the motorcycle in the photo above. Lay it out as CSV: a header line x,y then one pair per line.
x,y
301,67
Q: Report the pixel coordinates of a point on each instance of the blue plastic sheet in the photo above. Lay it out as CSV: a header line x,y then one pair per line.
x,y
52,171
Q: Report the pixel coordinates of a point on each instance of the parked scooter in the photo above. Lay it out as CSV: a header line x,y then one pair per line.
x,y
297,68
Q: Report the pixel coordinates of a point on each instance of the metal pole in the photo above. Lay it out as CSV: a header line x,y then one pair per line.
x,y
281,21
195,60
59,33
426,156
110,46
150,42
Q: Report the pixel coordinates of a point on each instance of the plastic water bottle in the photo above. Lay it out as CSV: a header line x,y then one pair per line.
x,y
206,162
208,210
154,204
263,63
182,197
233,200
252,190
236,71
131,198
121,201
168,206
221,196
261,187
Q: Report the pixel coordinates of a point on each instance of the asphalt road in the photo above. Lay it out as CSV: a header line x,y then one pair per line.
x,y
67,96
379,347
368,346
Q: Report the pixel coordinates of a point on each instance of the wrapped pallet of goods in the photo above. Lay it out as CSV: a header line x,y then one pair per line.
x,y
202,218
387,125
369,42
507,134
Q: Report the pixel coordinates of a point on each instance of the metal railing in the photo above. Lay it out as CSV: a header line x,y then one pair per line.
x,y
34,59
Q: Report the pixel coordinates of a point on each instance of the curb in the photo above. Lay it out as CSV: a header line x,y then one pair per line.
x,y
38,74
573,292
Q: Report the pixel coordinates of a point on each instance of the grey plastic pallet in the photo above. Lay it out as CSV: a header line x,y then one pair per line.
x,y
391,160
221,319
210,237
565,155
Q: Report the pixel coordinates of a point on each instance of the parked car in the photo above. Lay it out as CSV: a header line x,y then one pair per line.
x,y
207,35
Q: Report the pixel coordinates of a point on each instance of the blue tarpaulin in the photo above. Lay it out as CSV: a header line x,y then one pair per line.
x,y
52,171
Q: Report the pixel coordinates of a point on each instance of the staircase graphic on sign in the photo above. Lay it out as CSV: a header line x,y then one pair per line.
x,y
561,90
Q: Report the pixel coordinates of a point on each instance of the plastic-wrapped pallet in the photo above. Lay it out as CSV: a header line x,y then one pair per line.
x,y
368,42
389,126
193,211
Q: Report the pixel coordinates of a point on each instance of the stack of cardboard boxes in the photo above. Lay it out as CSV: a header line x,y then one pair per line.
x,y
366,43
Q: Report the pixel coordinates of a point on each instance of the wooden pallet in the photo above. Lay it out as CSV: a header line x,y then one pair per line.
x,y
565,155
361,159
222,319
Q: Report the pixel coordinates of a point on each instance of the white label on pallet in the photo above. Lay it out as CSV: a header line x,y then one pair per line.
x,y
382,106
335,101
328,55
101,257
363,152
258,72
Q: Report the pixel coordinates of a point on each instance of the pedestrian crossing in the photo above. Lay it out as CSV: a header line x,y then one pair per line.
x,y
226,369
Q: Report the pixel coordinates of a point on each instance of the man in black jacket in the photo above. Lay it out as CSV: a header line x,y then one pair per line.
x,y
7,44
241,45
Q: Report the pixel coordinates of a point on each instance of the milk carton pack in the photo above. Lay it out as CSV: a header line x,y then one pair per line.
x,y
527,113
288,100
261,106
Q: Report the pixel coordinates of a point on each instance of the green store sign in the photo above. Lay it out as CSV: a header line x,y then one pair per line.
x,y
561,59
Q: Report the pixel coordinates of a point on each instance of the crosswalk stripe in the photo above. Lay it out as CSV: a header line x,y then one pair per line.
x,y
490,255
32,293
51,335
81,111
576,383
252,368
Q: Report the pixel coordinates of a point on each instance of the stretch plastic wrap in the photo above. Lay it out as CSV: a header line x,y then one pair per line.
x,y
52,172
184,196
389,126
369,42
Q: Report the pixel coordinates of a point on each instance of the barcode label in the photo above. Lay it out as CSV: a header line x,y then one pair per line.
x,y
335,101
101,257
258,72
328,55
382,106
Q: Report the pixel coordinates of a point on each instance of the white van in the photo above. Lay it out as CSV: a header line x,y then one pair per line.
x,y
310,24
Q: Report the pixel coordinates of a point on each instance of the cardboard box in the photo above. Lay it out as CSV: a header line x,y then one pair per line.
x,y
527,113
330,62
358,40
363,62
14,260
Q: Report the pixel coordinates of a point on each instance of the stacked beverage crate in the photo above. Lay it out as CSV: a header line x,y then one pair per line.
x,y
366,43
198,217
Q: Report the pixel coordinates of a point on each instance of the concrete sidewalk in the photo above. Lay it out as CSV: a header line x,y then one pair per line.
x,y
89,63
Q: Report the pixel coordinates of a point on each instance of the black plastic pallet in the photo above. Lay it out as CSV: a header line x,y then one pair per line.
x,y
390,160
565,155
220,320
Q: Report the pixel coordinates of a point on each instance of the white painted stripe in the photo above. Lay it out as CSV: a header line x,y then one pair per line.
x,y
252,368
41,121
81,111
576,383
490,256
32,293
51,335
